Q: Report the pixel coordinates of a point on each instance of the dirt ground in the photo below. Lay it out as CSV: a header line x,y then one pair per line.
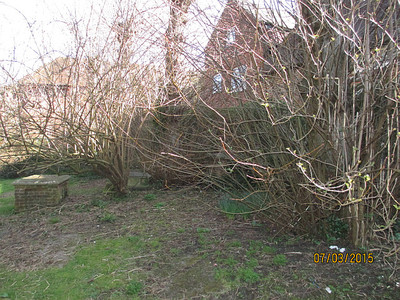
x,y
49,237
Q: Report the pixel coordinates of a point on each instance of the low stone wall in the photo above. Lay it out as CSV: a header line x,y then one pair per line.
x,y
40,191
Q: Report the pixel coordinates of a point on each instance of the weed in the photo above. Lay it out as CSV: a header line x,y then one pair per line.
x,y
98,203
202,239
233,207
108,217
181,230
175,251
335,228
54,220
235,244
118,197
150,197
230,261
82,208
280,260
269,250
155,244
252,262
134,288
248,275
256,224
221,274
256,245
203,230
230,233
316,242
160,205
292,241
279,289
341,291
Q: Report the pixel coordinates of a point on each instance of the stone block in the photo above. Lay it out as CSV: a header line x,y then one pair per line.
x,y
40,191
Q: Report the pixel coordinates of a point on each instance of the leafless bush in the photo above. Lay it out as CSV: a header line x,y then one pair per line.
x,y
322,136
88,108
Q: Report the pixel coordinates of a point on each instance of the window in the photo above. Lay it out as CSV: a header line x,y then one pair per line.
x,y
238,80
231,36
268,25
217,86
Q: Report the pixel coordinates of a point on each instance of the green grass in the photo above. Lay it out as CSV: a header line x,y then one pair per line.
x,y
6,203
6,206
134,288
6,185
100,268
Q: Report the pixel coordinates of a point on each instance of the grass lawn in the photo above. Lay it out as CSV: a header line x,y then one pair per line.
x,y
167,244
6,196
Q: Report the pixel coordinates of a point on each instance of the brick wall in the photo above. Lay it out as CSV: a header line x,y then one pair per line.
x,y
32,195
223,56
251,48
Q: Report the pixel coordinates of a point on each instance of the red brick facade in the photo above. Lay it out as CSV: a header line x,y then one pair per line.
x,y
235,57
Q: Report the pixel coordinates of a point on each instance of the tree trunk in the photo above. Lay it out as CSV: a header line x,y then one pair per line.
x,y
174,45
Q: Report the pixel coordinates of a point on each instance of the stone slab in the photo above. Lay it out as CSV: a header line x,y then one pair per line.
x,y
140,174
42,180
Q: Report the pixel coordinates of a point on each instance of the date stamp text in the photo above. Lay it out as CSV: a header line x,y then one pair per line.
x,y
342,258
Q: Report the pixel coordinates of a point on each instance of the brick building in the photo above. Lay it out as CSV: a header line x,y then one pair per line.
x,y
237,54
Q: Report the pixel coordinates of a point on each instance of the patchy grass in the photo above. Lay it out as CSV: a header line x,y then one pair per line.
x,y
92,247
103,268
